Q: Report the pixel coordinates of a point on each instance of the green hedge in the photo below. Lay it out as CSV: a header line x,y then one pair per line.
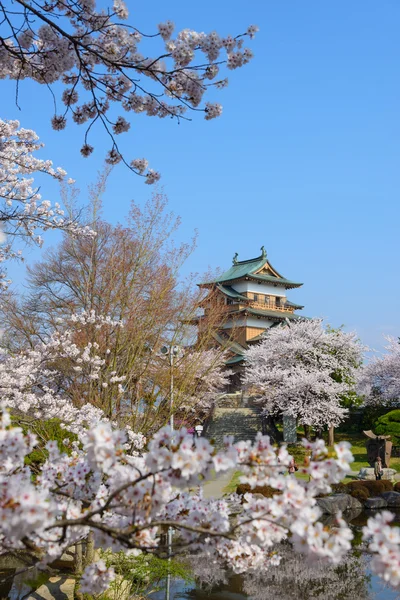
x,y
45,431
389,424
370,416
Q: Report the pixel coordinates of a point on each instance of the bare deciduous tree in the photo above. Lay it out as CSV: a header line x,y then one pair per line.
x,y
131,274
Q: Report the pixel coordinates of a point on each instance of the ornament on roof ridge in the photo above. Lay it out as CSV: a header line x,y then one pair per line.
x,y
263,252
235,259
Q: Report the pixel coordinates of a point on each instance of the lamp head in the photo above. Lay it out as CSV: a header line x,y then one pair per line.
x,y
174,350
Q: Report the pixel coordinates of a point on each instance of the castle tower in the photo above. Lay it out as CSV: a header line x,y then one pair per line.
x,y
252,295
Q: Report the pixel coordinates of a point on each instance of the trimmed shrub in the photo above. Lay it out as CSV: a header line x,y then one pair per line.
x,y
370,416
358,485
375,488
388,485
265,490
389,424
361,494
340,488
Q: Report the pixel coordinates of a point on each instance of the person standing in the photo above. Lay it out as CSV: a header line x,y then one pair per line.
x,y
378,468
292,467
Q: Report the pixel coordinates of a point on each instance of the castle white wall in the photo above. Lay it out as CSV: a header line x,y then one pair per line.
x,y
259,288
254,322
248,322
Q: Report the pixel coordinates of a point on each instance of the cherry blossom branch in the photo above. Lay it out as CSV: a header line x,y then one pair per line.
x,y
72,41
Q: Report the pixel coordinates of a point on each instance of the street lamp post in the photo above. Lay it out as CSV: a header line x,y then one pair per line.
x,y
172,352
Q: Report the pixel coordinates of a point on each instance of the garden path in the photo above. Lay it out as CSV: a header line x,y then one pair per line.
x,y
215,488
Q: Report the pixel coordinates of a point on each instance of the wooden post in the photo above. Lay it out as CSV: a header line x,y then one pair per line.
x,y
289,429
89,554
331,435
78,566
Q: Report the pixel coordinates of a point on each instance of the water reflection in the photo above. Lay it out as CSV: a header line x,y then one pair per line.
x,y
234,591
344,584
294,579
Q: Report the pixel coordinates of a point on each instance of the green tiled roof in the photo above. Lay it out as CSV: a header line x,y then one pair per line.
x,y
229,291
228,343
274,280
293,305
243,268
234,360
268,314
248,268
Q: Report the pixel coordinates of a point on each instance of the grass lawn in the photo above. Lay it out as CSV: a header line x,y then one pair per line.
x,y
358,448
234,482
232,485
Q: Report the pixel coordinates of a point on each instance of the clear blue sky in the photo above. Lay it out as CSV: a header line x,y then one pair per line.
x,y
304,160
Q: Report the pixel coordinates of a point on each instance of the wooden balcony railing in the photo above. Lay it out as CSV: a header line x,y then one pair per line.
x,y
271,306
259,306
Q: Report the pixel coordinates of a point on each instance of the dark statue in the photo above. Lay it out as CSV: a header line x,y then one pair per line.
x,y
378,446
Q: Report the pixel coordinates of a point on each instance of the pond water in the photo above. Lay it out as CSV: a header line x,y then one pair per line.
x,y
234,591
294,579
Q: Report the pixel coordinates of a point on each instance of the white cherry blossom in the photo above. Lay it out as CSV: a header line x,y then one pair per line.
x,y
303,370
97,60
24,214
379,379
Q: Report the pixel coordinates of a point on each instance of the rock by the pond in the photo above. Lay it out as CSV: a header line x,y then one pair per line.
x,y
392,498
121,589
56,588
368,474
375,503
338,502
65,561
348,516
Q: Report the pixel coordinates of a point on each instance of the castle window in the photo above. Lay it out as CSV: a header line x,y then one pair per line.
x,y
255,297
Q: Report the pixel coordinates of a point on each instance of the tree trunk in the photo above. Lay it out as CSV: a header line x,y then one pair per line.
x,y
331,435
307,431
270,428
78,563
89,554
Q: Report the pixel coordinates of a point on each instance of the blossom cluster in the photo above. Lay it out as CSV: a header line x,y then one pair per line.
x,y
209,376
29,382
24,214
96,578
294,577
98,60
114,484
379,380
123,499
303,370
384,542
